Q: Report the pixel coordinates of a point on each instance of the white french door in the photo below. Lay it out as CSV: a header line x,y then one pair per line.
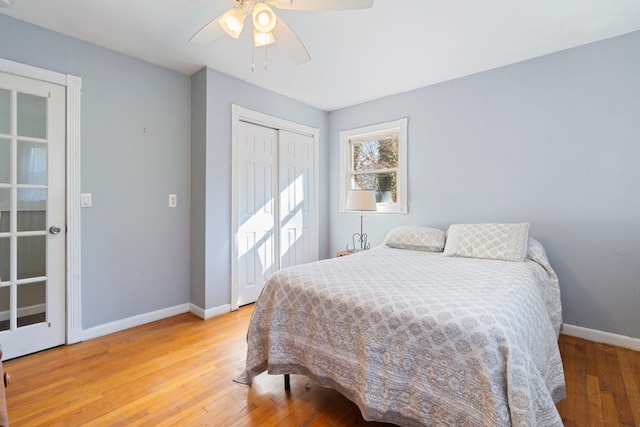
x,y
32,215
274,198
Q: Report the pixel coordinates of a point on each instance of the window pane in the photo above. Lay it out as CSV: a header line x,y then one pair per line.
x,y
5,111
364,182
384,184
379,153
32,116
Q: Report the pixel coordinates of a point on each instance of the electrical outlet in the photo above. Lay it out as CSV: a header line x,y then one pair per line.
x,y
173,200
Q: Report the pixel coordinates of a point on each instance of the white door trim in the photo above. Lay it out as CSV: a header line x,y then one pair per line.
x,y
239,114
73,85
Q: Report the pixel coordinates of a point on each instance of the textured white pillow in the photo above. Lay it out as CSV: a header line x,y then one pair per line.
x,y
416,238
490,241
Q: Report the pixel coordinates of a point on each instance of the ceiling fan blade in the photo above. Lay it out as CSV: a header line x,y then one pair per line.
x,y
287,40
209,33
323,4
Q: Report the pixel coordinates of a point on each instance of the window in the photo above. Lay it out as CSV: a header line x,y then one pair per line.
x,y
374,158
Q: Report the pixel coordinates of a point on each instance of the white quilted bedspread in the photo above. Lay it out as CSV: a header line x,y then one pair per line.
x,y
417,338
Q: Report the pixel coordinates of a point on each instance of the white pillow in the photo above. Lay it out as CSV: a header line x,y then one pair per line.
x,y
416,238
506,242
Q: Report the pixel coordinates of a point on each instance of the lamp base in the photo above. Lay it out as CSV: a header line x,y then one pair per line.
x,y
360,238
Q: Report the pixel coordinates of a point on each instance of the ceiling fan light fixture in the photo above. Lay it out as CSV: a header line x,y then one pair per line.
x,y
264,20
232,22
262,39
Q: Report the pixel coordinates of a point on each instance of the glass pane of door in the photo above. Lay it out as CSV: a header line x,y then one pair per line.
x,y
32,116
32,260
32,163
5,291
5,211
32,298
5,264
5,320
5,161
32,209
5,111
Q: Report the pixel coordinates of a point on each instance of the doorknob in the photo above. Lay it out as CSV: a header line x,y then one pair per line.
x,y
54,229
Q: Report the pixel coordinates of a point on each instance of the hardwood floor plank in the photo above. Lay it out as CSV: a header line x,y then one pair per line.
x,y
567,349
581,407
609,409
634,361
611,381
591,358
179,371
630,385
596,417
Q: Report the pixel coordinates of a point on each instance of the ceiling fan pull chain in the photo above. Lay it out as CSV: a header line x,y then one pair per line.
x,y
253,49
266,63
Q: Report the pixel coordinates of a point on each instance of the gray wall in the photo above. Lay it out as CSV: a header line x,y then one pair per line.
x,y
553,141
135,249
211,178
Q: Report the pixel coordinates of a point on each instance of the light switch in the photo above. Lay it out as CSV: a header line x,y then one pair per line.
x,y
85,200
173,200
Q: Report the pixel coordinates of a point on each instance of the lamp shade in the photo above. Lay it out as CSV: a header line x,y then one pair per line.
x,y
232,22
262,39
264,20
361,200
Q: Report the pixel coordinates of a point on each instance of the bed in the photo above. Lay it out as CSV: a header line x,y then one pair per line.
x,y
419,337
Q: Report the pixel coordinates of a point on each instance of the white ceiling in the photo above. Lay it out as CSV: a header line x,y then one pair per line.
x,y
356,56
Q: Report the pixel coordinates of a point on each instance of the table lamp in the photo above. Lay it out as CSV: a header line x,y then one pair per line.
x,y
360,200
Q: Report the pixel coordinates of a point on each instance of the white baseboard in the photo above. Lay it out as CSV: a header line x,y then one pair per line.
x,y
130,322
601,337
209,313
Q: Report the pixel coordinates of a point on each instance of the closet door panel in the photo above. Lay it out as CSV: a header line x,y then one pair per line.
x,y
297,199
256,199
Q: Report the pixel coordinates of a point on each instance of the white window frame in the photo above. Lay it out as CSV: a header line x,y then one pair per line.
x,y
399,126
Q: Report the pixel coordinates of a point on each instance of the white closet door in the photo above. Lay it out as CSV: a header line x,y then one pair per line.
x,y
275,222
298,242
256,200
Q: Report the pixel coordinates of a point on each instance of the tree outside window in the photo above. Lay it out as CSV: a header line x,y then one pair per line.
x,y
374,166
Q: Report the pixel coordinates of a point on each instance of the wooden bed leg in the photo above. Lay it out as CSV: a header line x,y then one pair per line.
x,y
287,382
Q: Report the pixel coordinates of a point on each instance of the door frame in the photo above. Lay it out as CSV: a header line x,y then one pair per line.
x,y
73,86
241,114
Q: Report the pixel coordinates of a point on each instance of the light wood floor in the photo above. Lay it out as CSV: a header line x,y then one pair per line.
x,y
179,371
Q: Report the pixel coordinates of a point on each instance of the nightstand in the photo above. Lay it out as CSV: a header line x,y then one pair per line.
x,y
345,253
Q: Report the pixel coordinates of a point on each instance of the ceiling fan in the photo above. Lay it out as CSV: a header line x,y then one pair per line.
x,y
267,26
